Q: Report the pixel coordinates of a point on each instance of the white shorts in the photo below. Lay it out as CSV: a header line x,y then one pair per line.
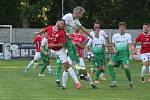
x,y
62,55
37,56
145,57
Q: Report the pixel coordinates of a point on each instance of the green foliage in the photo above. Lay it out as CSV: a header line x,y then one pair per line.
x,y
110,12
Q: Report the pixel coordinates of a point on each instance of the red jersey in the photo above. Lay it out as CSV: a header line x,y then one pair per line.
x,y
37,40
144,39
79,38
55,37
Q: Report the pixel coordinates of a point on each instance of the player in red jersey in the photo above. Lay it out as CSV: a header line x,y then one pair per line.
x,y
144,39
37,41
56,41
79,40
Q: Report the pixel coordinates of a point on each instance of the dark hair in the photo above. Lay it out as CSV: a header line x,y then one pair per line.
x,y
123,24
146,24
60,19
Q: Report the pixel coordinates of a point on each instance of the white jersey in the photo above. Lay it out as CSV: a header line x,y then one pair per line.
x,y
68,18
101,33
121,42
97,44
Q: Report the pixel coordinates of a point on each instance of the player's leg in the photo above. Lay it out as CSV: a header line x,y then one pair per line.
x,y
112,73
85,75
149,69
36,57
69,48
58,71
128,73
125,62
45,59
144,58
76,55
68,69
97,65
49,68
103,66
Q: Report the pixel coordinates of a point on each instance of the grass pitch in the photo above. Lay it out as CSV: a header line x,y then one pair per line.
x,y
17,85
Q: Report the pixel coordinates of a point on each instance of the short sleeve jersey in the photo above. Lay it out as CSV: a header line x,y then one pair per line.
x,y
71,22
144,39
97,44
121,43
79,38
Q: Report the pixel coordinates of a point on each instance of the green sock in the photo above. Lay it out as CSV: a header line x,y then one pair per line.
x,y
58,68
76,55
111,72
128,74
43,69
97,74
69,48
94,69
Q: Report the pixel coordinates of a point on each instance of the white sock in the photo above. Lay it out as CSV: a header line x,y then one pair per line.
x,y
88,77
49,68
30,64
73,75
64,78
143,70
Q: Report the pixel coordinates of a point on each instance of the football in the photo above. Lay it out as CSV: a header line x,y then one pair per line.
x,y
90,56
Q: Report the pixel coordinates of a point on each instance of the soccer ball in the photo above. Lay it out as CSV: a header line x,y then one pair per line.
x,y
90,56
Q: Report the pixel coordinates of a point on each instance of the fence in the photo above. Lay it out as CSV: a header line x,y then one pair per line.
x,y
23,36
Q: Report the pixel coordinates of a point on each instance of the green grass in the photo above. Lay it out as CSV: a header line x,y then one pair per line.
x,y
16,85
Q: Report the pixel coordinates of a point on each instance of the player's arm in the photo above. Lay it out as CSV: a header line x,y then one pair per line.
x,y
113,44
88,45
130,48
56,45
85,31
136,41
114,48
82,46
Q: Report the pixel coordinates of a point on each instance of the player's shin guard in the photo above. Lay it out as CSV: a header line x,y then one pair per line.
x,y
128,74
111,72
64,79
73,75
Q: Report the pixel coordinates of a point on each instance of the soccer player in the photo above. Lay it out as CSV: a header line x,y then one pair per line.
x,y
144,39
79,39
56,41
72,20
37,40
101,33
44,56
97,45
122,47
